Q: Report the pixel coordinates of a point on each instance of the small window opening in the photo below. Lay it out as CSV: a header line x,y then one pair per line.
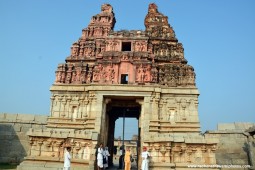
x,y
124,78
126,46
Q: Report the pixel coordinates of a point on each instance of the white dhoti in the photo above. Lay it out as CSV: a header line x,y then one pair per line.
x,y
100,163
145,164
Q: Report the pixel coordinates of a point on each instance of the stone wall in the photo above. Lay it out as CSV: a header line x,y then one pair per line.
x,y
233,147
14,141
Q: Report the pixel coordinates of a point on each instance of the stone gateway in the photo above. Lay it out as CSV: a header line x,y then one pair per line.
x,y
142,74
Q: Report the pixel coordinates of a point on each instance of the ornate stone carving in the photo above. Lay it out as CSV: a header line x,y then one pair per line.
x,y
155,56
156,80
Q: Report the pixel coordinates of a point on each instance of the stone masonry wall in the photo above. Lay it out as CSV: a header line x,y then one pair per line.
x,y
14,141
233,147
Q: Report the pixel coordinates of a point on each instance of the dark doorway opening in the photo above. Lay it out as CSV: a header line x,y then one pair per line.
x,y
126,46
124,79
127,110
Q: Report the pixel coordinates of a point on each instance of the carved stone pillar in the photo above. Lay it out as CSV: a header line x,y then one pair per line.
x,y
157,147
163,152
68,100
72,147
212,154
163,111
81,102
160,110
168,151
76,150
183,152
178,116
60,102
31,142
40,142
183,105
189,155
63,114
171,156
58,144
79,111
83,145
155,103
176,154
85,111
52,98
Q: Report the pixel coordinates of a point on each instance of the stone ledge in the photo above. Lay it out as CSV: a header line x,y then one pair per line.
x,y
46,164
62,133
23,118
125,87
235,126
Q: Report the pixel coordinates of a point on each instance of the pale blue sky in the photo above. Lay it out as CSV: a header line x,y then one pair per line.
x,y
218,38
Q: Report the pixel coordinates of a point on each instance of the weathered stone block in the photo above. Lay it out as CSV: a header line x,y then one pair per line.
x,y
178,139
17,127
26,127
25,117
222,160
11,117
22,136
38,126
94,136
2,116
243,125
41,119
240,161
226,126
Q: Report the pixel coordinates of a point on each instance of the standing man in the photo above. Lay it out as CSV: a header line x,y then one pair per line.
x,y
67,159
145,158
100,152
106,156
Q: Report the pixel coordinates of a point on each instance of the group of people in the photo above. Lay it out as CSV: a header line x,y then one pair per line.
x,y
102,158
126,157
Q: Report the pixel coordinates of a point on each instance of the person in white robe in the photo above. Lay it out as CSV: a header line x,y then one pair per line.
x,y
106,154
145,159
67,159
100,152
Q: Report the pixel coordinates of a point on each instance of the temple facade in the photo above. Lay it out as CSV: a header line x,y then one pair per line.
x,y
109,74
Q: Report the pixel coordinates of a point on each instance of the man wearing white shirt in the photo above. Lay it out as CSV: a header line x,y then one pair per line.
x,y
67,159
145,158
100,152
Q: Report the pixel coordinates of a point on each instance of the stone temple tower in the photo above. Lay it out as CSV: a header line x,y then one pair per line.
x,y
141,74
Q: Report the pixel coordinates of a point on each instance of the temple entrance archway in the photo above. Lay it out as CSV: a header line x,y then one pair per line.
x,y
121,108
138,73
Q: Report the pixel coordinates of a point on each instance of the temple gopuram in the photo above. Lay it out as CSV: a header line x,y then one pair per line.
x,y
109,74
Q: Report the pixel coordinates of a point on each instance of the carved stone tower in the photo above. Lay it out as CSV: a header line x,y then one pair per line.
x,y
142,74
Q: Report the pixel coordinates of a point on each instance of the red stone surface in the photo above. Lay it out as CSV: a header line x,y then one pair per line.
x,y
105,56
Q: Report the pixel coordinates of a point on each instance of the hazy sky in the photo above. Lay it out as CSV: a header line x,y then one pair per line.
x,y
218,38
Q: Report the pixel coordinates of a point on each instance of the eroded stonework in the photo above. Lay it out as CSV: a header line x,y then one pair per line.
x,y
101,55
141,73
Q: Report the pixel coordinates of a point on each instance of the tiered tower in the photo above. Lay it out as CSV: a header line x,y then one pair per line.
x,y
104,56
141,74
